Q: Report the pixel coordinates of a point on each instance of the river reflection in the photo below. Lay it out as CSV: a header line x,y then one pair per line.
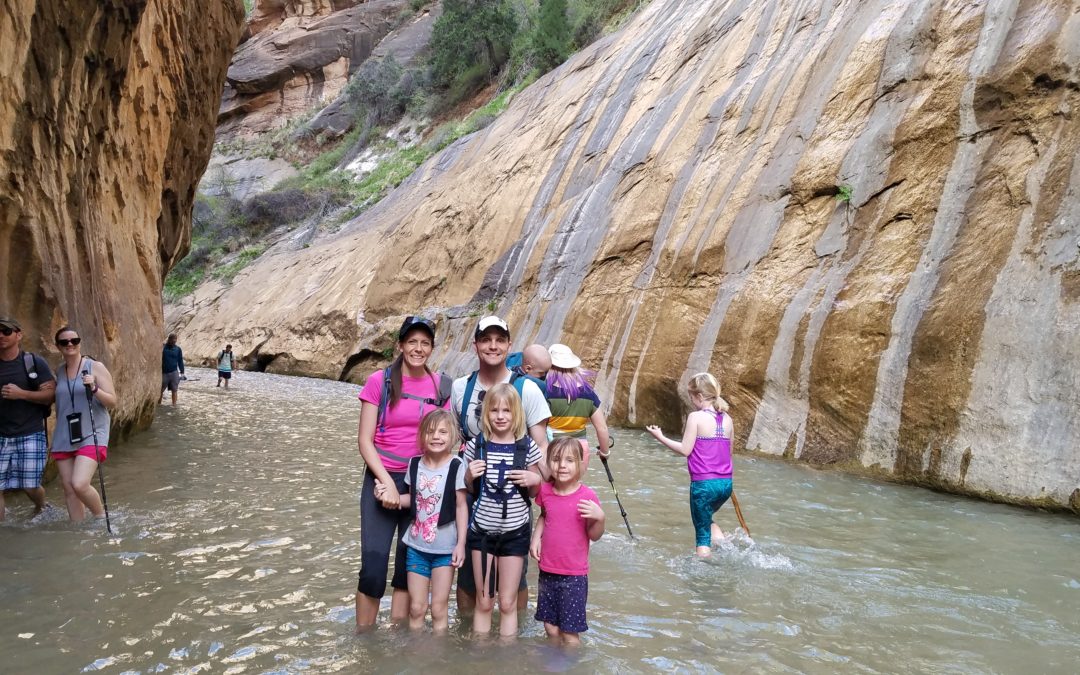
x,y
236,550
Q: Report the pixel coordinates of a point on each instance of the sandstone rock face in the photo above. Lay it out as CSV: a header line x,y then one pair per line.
x,y
667,202
106,123
306,57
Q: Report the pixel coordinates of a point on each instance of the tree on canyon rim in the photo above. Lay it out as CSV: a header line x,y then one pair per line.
x,y
551,39
470,42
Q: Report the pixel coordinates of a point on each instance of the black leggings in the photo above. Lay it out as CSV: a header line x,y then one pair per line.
x,y
377,525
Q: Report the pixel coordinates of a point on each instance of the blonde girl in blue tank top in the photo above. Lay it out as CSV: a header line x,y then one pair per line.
x,y
706,444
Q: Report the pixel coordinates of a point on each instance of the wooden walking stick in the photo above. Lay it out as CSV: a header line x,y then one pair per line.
x,y
738,513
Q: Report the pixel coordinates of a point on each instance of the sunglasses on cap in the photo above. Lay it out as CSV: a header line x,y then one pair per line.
x,y
64,342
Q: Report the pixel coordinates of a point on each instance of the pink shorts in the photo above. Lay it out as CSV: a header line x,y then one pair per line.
x,y
94,452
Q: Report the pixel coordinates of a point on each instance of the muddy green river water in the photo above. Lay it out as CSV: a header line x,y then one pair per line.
x,y
236,550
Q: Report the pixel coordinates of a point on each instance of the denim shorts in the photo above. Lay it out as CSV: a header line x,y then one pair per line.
x,y
422,562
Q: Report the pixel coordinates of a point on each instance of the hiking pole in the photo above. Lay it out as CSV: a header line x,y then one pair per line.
x,y
738,513
611,480
97,453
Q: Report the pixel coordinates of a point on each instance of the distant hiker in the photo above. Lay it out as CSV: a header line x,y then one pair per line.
x,y
570,519
439,513
534,363
393,403
26,396
574,403
78,447
503,476
706,444
225,363
172,367
491,339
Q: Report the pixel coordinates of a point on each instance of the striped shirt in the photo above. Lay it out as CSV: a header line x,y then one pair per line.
x,y
569,417
488,509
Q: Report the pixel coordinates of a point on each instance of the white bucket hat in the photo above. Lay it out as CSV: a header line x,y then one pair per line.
x,y
563,357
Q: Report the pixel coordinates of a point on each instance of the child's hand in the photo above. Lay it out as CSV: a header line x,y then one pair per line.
x,y
477,467
590,510
534,549
524,477
379,489
655,431
457,558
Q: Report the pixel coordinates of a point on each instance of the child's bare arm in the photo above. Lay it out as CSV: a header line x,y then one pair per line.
x,y
679,448
538,533
462,523
594,516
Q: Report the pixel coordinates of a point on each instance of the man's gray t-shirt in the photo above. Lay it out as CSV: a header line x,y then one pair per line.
x,y
533,401
424,533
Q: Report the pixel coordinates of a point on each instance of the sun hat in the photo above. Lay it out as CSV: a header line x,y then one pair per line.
x,y
563,357
489,322
412,322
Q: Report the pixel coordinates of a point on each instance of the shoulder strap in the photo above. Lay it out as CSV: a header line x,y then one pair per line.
x,y
518,379
384,400
30,364
521,457
414,467
479,452
463,419
445,388
448,512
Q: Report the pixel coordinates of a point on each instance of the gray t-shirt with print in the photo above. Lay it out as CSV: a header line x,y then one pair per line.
x,y
533,402
424,533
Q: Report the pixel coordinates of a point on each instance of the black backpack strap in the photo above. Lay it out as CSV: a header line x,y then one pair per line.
x,y
521,458
414,467
384,400
448,511
30,365
445,388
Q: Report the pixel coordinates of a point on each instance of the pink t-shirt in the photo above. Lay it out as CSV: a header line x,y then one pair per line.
x,y
564,545
402,421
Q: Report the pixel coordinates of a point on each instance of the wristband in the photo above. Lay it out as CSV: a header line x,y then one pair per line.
x,y
94,390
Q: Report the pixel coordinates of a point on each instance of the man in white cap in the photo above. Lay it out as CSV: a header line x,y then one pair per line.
x,y
492,342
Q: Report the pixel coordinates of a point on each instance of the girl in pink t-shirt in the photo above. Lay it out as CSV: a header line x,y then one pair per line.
x,y
570,518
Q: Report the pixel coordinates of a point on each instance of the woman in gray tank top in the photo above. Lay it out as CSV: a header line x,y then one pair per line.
x,y
84,393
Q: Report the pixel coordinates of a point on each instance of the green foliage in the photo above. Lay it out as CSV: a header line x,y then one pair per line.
x,y
243,259
417,5
844,193
248,6
551,37
471,37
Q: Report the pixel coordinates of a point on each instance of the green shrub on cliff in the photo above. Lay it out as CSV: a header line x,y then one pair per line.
x,y
471,35
551,37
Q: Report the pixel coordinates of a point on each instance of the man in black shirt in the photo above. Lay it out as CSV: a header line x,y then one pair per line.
x,y
27,390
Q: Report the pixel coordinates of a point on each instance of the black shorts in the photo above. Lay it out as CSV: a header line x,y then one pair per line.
x,y
226,374
467,582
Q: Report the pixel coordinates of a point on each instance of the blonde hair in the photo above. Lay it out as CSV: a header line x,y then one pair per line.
x,y
503,393
560,447
706,386
431,422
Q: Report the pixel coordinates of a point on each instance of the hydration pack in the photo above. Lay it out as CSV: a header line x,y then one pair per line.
x,y
480,484
443,388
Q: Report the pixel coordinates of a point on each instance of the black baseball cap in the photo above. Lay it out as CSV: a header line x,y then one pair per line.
x,y
412,322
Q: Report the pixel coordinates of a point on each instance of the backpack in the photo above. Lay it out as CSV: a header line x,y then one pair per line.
x,y
517,379
30,366
480,487
448,510
443,387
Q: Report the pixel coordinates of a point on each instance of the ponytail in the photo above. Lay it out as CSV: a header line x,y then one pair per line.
x,y
706,386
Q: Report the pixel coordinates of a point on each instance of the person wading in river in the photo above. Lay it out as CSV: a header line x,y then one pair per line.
x,y
84,395
393,403
492,344
172,367
26,394
706,444
225,363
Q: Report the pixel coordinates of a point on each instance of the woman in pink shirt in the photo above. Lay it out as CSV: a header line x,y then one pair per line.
x,y
570,519
393,402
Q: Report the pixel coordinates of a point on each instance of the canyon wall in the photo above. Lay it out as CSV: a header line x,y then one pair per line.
x,y
862,215
107,114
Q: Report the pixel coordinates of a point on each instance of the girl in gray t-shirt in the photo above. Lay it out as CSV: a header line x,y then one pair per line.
x,y
436,534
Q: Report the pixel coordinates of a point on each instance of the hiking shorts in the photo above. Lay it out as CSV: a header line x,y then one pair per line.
x,y
22,460
422,562
706,498
561,601
94,452
467,582
170,381
225,374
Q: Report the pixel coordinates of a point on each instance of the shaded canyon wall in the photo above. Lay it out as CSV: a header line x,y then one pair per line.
x,y
107,116
675,199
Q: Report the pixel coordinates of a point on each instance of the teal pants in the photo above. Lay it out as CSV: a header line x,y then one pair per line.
x,y
706,498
